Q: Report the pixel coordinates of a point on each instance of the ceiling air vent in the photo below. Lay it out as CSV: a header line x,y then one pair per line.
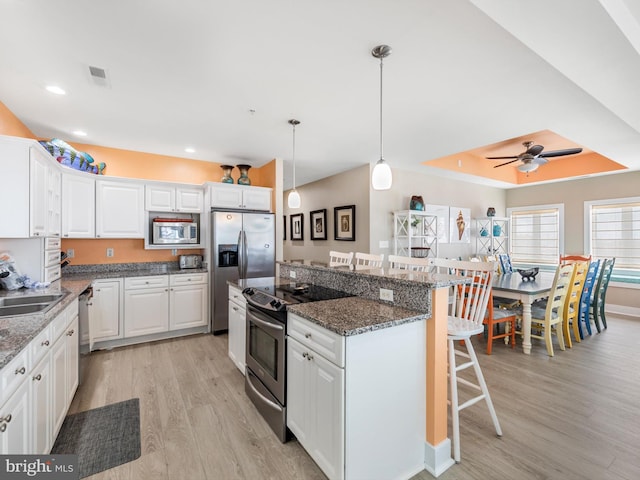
x,y
98,76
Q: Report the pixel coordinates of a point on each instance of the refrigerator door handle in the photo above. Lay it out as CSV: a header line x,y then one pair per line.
x,y
240,254
245,254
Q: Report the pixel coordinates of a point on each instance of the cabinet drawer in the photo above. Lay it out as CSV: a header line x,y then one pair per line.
x,y
146,282
13,374
51,257
60,323
41,345
187,279
52,243
52,273
328,344
235,295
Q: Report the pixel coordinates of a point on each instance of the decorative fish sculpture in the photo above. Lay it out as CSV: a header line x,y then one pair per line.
x,y
68,156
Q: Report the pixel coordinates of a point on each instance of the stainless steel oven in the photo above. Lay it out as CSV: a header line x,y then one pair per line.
x,y
266,374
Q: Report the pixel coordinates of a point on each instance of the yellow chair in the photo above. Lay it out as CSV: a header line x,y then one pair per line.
x,y
550,319
572,301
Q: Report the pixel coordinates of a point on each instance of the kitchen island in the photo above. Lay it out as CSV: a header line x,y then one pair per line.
x,y
399,356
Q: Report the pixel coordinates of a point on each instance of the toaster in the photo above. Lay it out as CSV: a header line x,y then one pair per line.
x,y
190,261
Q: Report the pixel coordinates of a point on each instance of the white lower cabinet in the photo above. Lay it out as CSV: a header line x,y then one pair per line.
x,y
357,403
188,301
34,401
105,311
146,305
237,328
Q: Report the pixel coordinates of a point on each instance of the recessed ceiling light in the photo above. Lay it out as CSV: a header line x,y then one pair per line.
x,y
55,89
80,133
190,150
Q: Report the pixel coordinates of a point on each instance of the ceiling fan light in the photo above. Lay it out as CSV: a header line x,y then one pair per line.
x,y
381,177
528,167
293,200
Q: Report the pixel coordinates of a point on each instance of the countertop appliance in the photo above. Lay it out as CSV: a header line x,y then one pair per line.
x,y
190,261
174,231
266,374
243,246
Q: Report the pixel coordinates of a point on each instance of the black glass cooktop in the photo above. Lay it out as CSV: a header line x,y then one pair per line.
x,y
278,297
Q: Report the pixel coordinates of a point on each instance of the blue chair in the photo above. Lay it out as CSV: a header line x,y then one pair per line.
x,y
600,292
585,298
505,263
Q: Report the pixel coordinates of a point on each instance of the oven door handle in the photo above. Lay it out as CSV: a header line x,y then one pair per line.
x,y
271,326
272,404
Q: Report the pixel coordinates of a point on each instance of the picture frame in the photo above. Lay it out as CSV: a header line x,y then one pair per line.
x,y
344,223
284,227
297,226
318,224
442,212
459,225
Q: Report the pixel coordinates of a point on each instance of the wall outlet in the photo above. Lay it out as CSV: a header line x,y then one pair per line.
x,y
71,253
292,273
174,251
386,294
109,252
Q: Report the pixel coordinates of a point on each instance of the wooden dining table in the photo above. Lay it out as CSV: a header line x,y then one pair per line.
x,y
511,285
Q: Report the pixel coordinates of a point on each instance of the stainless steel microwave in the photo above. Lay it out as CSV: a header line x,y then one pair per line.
x,y
167,231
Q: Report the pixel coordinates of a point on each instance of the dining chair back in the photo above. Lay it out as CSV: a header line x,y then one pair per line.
x,y
467,313
550,319
600,293
363,261
564,259
571,311
340,259
496,316
418,264
505,263
587,296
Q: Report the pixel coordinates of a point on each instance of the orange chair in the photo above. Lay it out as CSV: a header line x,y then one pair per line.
x,y
496,316
565,259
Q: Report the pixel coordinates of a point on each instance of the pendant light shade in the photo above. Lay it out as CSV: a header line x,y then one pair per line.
x,y
381,177
293,200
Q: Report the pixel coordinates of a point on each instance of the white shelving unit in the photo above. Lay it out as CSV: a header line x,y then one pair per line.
x,y
415,233
492,235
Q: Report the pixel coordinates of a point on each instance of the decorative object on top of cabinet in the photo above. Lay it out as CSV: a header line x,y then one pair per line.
x,y
228,196
415,233
226,173
68,156
493,235
344,223
416,203
318,224
459,221
491,212
297,226
243,179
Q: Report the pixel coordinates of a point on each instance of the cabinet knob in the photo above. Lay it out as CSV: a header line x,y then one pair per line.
x,y
37,377
307,335
3,427
21,371
45,343
304,355
235,309
309,357
71,332
6,419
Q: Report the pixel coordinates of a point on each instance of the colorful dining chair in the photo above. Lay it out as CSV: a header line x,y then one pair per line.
x,y
585,299
505,263
496,316
574,258
600,293
550,319
571,309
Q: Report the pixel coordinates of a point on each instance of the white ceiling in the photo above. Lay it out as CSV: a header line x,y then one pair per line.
x,y
463,73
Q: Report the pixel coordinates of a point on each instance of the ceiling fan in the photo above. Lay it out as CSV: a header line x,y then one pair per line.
x,y
534,156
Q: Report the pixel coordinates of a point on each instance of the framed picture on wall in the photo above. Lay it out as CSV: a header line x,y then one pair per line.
x,y
284,227
442,212
297,226
318,224
344,223
460,225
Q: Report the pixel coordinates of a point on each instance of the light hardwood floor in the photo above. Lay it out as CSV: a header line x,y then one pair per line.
x,y
573,416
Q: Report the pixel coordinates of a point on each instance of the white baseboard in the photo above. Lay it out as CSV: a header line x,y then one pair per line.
x,y
622,310
438,459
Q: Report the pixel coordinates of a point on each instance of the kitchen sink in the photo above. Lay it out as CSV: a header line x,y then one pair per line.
x,y
28,304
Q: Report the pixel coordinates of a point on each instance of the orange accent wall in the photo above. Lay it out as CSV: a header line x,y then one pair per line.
x,y
132,164
11,125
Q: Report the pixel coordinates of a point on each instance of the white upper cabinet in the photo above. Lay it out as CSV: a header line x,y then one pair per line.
x,y
171,198
119,209
78,205
225,195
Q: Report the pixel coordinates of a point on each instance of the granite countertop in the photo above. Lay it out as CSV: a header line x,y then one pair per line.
x,y
355,315
16,332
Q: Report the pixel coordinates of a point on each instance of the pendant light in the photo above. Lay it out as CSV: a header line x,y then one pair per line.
x,y
381,177
294,197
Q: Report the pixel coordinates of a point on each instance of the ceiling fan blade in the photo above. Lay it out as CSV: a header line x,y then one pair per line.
x,y
561,153
502,158
535,150
506,163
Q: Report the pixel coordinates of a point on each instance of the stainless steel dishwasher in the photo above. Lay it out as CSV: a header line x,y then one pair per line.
x,y
84,301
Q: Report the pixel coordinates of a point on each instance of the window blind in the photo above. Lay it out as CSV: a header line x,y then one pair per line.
x,y
535,236
615,232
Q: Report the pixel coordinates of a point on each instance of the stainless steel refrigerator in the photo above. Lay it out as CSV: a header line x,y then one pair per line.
x,y
243,246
